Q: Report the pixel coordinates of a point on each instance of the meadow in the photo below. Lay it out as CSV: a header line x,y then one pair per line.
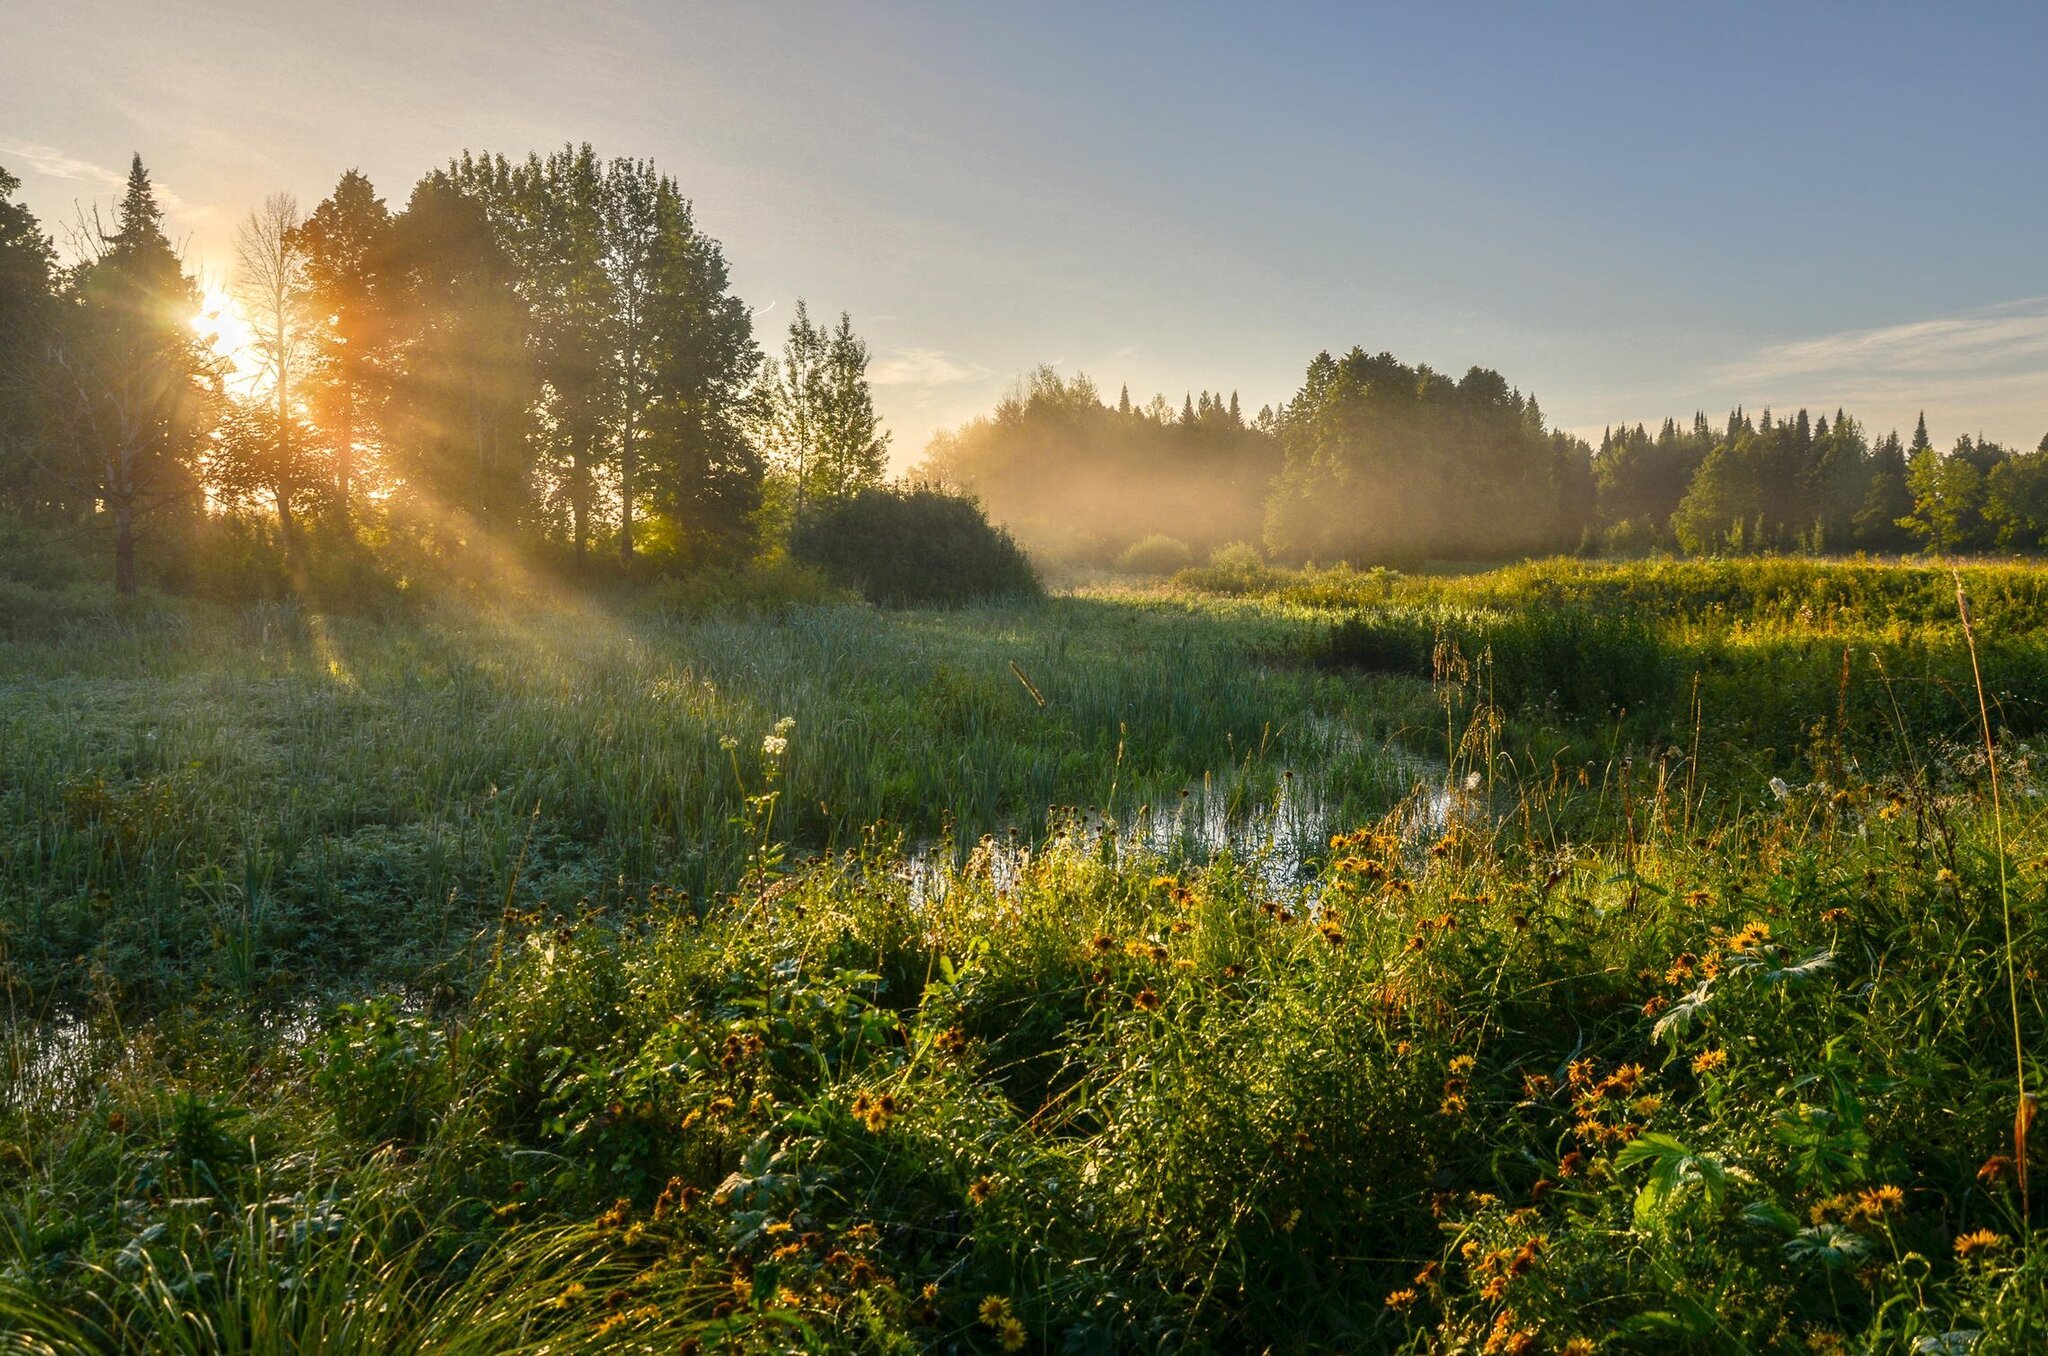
x,y
1567,957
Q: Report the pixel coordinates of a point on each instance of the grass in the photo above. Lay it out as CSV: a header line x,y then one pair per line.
x,y
1604,1043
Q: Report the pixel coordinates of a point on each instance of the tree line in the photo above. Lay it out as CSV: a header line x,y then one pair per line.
x,y
1374,460
543,352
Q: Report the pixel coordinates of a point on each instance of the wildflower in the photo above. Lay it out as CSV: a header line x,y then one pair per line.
x,y
1682,967
1332,934
874,1112
1996,1169
1010,1333
1453,1104
1580,1346
1568,1166
1891,810
676,1198
1706,1061
1462,1064
1157,954
1882,1200
993,1311
1146,1001
1698,898
1977,1241
615,1216
1752,936
1524,1260
1543,1187
1656,1004
1536,1085
1579,1073
775,1227
1822,1342
1182,927
1647,1106
1103,943
952,1040
1507,1338
1233,972
1834,917
1945,877
1402,1298
980,1189
1428,1274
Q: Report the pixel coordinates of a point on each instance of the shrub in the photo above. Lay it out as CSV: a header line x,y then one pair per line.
x,y
1156,554
902,546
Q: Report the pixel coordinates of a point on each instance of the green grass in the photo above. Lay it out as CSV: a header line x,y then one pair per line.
x,y
1627,1049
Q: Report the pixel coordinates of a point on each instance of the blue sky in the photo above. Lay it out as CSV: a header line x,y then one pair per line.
x,y
1630,209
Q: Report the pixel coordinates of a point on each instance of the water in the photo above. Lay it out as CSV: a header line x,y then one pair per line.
x,y
1278,839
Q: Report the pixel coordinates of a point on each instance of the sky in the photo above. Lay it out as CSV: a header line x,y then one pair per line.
x,y
1631,210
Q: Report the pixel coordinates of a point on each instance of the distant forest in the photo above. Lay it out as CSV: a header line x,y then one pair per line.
x,y
541,360
1377,461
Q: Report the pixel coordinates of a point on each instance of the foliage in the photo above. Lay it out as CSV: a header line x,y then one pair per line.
x,y
1157,554
1079,479
916,544
1387,463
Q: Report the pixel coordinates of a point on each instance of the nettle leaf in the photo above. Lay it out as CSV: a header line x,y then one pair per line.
x,y
1679,1179
1800,971
1828,1244
1682,1013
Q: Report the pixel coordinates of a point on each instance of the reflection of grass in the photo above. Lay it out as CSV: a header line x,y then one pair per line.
x,y
360,790
1658,1054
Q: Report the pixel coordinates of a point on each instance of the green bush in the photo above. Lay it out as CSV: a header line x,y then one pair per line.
x,y
1156,554
916,544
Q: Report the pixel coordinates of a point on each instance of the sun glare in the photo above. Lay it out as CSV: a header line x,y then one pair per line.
x,y
227,332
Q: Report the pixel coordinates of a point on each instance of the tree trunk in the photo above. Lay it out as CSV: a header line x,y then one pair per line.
x,y
287,522
345,455
124,548
579,504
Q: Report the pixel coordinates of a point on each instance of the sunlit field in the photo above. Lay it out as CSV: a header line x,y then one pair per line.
x,y
1560,958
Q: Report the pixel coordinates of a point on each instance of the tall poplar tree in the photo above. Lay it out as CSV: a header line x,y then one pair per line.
x,y
347,240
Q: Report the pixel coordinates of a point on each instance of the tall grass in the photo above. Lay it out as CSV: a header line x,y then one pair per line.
x,y
1602,1041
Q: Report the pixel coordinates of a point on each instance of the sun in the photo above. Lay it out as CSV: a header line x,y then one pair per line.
x,y
227,332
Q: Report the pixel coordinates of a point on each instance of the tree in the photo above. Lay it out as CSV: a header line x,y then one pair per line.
x,y
28,316
853,449
1948,495
686,355
462,378
1387,462
273,287
791,398
139,385
345,239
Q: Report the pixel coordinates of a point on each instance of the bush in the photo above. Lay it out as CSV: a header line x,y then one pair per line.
x,y
901,546
1156,554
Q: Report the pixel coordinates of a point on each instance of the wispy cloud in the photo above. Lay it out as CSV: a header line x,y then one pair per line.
x,y
1992,340
55,164
924,367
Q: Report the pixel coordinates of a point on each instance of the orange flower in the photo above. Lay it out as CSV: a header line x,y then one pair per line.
x,y
1978,1241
